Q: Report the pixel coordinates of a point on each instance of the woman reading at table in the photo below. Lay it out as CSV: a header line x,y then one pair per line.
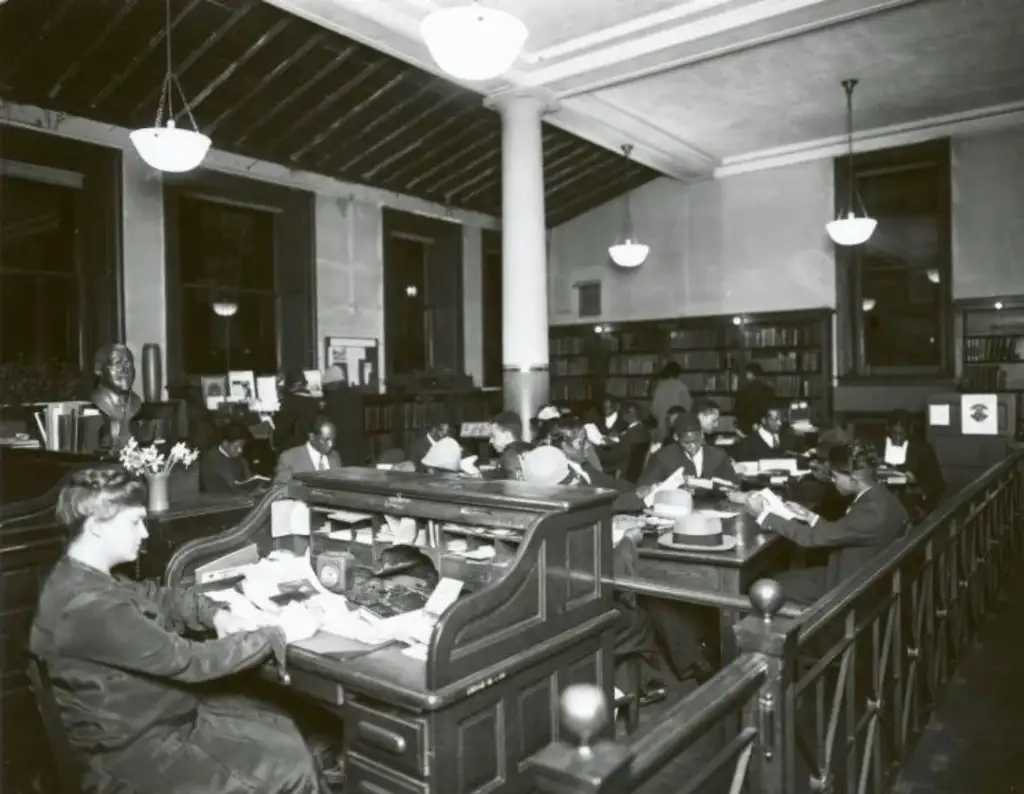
x,y
124,678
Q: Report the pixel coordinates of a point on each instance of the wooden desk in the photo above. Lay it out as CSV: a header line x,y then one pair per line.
x,y
486,698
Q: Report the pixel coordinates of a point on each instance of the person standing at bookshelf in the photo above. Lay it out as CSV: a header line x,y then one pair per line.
x,y
753,398
669,390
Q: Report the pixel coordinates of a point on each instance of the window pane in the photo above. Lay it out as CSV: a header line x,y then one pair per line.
x,y
225,245
901,270
38,318
246,341
412,331
37,220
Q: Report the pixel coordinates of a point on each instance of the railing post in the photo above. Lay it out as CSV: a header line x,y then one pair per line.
x,y
773,765
582,767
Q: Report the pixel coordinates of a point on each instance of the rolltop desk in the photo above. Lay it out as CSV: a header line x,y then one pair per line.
x,y
467,717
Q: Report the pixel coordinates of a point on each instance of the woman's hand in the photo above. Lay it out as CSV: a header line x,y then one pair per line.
x,y
227,622
299,623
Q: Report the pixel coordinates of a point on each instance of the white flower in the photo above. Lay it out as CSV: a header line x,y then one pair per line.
x,y
149,460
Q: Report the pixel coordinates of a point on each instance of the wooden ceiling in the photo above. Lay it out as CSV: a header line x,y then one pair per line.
x,y
265,84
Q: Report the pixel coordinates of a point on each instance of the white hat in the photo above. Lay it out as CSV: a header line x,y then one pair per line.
x,y
545,466
445,454
548,412
672,504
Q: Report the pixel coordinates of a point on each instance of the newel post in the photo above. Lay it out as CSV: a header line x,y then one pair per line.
x,y
772,766
582,766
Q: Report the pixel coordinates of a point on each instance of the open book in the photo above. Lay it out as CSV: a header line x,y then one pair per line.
x,y
776,506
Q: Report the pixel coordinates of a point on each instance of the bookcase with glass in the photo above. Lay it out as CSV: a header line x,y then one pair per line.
x,y
621,360
992,344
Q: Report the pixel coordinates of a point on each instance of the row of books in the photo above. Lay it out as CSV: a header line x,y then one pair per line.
x,y
993,348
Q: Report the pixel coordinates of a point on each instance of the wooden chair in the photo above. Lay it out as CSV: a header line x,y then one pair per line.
x,y
69,775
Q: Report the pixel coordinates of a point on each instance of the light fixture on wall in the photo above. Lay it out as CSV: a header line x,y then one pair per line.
x,y
225,308
627,251
933,275
169,147
473,43
868,304
849,228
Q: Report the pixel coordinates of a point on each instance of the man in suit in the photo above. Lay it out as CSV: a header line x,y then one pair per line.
x,y
317,454
689,451
614,420
425,440
874,519
625,457
753,397
768,440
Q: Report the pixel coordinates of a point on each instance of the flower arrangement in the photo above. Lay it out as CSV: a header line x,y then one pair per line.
x,y
150,460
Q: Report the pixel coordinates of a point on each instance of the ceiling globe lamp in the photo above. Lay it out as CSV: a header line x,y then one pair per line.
x,y
473,43
167,147
225,308
849,228
627,251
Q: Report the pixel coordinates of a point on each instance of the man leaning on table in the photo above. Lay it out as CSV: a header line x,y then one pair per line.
x,y
874,519
691,453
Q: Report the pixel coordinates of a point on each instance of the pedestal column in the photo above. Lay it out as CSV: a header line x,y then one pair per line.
x,y
524,278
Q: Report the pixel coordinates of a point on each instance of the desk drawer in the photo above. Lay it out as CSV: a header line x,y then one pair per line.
x,y
395,741
363,776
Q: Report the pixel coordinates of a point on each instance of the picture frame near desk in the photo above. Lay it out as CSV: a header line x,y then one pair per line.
x,y
357,357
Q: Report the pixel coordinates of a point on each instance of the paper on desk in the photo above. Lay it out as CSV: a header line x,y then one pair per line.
x,y
716,514
445,594
670,483
364,536
348,516
289,517
416,651
468,465
403,528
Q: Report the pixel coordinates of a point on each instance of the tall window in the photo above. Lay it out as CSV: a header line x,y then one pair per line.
x,y
492,316
227,256
413,330
39,273
897,285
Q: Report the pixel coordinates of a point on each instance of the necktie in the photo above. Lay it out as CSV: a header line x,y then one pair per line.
x,y
775,441
323,465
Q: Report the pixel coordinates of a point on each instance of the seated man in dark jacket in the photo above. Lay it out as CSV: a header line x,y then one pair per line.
x,y
689,451
768,439
874,519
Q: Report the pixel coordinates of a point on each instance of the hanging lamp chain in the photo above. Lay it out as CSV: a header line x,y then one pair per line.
x,y
171,81
853,197
627,150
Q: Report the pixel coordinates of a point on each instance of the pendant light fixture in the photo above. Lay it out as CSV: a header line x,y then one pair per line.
x,y
225,308
849,228
627,251
473,43
168,147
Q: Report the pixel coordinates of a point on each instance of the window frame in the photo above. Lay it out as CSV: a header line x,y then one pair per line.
x,y
852,365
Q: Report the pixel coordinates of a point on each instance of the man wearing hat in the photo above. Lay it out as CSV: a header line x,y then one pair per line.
x,y
689,452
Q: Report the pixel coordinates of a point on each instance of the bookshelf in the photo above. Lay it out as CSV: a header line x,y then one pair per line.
x,y
620,360
992,344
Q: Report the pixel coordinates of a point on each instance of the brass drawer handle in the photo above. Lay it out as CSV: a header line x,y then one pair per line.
x,y
381,738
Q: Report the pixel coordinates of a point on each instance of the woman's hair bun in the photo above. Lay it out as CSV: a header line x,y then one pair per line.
x,y
98,492
97,478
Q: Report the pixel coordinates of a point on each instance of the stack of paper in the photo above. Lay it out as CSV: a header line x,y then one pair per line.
x,y
776,506
670,483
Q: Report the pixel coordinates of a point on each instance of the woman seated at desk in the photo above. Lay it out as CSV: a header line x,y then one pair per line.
x,y
124,677
917,458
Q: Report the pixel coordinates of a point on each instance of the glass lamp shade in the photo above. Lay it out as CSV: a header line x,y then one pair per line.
x,y
225,308
629,253
851,230
868,304
473,43
170,148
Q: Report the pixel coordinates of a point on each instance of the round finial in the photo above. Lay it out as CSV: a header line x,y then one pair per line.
x,y
767,598
584,711
284,678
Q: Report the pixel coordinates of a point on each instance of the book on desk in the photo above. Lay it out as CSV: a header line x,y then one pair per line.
x,y
530,616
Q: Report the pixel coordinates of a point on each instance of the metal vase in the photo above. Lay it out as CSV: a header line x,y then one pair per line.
x,y
152,373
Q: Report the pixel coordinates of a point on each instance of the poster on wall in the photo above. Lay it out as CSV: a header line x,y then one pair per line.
x,y
979,414
356,357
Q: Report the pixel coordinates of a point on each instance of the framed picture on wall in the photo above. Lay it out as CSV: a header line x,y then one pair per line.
x,y
356,357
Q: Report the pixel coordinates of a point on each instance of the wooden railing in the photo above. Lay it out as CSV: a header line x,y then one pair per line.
x,y
831,700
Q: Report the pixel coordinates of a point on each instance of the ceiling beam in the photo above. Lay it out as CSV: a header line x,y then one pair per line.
x,y
419,143
75,66
295,93
141,55
441,163
52,20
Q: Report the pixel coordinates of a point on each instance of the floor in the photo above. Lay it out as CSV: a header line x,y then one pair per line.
x,y
974,742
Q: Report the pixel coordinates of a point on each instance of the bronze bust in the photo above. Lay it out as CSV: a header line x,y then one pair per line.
x,y
114,366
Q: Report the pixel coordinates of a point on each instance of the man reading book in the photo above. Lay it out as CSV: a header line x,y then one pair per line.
x,y
688,451
875,519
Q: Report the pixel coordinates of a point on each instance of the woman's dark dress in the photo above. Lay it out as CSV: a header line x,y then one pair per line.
x,y
121,671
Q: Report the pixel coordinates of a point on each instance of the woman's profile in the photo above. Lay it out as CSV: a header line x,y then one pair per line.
x,y
124,677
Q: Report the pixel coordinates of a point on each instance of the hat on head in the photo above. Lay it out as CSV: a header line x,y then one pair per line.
x,y
545,466
686,423
548,412
334,374
444,454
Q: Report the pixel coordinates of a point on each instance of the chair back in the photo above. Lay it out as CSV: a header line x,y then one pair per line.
x,y
69,775
635,462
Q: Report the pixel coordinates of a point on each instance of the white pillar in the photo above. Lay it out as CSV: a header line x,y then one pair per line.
x,y
524,277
